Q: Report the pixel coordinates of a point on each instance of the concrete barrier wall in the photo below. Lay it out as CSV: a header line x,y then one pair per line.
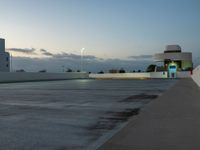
x,y
30,76
161,75
184,74
158,74
196,75
120,75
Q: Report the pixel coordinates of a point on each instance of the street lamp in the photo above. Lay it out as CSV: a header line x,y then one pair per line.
x,y
82,50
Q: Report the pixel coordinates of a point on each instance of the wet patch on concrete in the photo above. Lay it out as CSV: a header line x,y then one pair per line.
x,y
71,148
113,118
140,98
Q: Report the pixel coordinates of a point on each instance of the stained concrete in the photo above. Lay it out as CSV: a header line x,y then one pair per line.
x,y
172,122
71,114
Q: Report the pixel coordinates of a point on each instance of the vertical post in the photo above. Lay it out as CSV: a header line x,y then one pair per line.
x,y
81,62
11,63
82,50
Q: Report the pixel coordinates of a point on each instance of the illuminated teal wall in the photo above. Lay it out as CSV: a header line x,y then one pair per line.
x,y
181,65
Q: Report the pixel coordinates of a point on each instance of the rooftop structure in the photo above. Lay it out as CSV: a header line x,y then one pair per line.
x,y
172,49
175,60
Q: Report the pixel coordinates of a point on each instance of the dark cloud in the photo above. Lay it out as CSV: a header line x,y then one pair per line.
x,y
23,50
64,55
43,50
46,53
141,57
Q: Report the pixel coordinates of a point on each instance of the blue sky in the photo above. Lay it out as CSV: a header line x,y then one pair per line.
x,y
105,28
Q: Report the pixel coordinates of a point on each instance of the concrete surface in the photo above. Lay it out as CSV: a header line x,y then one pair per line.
x,y
70,114
172,122
38,76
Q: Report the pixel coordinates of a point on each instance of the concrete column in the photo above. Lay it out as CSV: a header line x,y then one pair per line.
x,y
2,45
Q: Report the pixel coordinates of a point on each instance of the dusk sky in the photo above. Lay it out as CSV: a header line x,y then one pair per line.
x,y
108,29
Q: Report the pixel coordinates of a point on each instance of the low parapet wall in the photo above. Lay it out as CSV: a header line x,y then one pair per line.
x,y
120,75
184,74
138,75
31,76
196,75
159,74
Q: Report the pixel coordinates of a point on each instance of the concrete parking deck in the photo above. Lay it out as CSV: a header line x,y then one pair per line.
x,y
172,122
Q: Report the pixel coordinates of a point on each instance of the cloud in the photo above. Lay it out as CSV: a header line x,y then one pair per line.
x,y
46,53
43,50
23,50
64,55
141,57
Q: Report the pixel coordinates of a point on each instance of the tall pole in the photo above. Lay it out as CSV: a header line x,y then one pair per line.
x,y
82,50
11,69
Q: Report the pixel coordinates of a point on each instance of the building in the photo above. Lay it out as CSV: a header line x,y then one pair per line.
x,y
4,57
175,60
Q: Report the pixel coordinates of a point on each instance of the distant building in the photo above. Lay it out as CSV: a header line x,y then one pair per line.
x,y
4,57
175,60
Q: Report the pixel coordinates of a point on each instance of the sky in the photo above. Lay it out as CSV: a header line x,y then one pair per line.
x,y
114,33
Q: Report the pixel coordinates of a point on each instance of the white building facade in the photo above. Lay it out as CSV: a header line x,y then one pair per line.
x,y
175,60
4,57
